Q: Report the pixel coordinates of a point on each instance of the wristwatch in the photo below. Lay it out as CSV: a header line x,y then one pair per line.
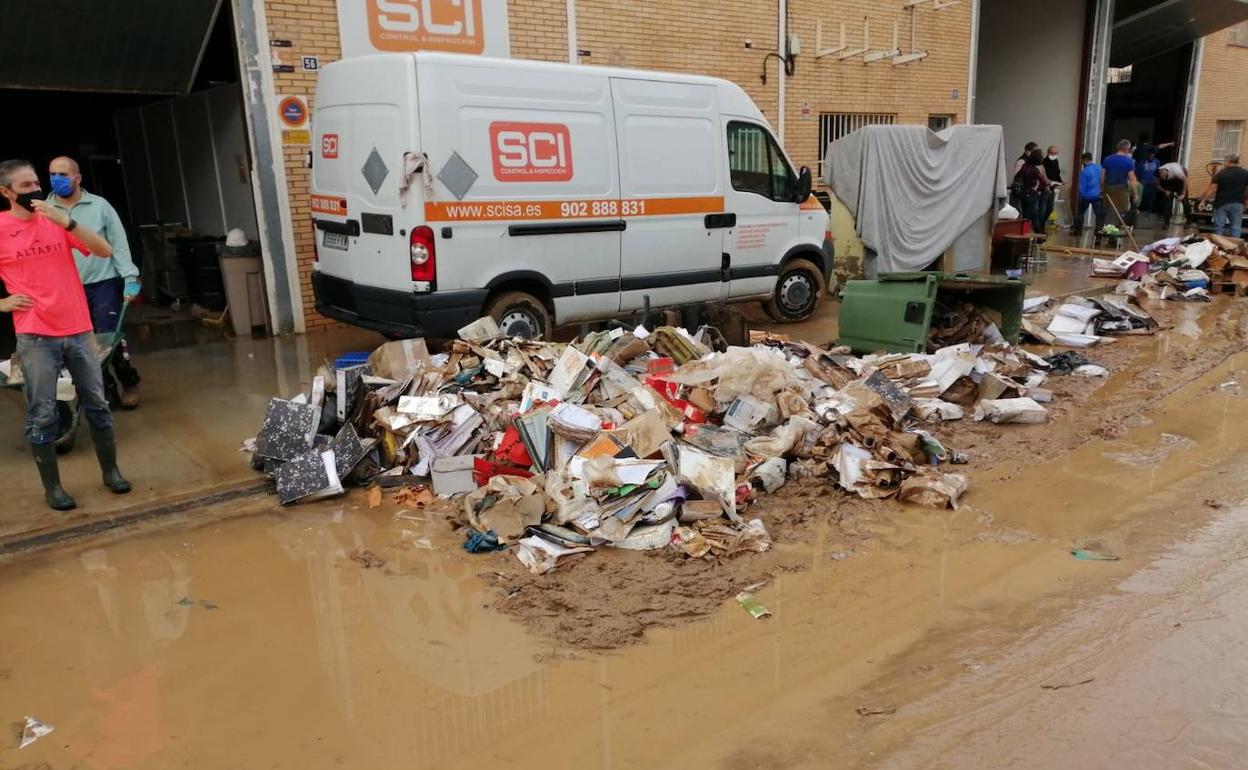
x,y
69,228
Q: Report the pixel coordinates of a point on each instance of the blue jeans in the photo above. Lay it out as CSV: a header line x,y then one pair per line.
x,y
1229,214
42,359
1033,210
1098,212
104,300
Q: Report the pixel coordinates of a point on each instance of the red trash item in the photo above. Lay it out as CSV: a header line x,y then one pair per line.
x,y
666,389
512,451
484,470
661,365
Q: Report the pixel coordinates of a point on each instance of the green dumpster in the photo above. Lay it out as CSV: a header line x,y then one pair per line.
x,y
893,312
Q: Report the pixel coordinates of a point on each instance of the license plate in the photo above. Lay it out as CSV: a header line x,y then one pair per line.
x,y
335,241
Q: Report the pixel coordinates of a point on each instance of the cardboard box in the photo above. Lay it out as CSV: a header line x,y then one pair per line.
x,y
396,360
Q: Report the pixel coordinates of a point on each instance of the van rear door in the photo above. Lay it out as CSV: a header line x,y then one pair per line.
x,y
365,119
525,184
672,191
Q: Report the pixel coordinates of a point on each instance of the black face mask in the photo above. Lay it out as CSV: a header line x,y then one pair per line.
x,y
25,200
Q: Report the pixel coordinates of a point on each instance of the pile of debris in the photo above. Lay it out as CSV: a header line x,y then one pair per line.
x,y
1181,269
641,439
1081,322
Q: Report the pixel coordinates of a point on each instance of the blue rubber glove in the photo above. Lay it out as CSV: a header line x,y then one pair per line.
x,y
132,289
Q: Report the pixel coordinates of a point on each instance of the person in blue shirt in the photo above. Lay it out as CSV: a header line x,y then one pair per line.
x,y
1118,183
108,283
1146,172
1089,195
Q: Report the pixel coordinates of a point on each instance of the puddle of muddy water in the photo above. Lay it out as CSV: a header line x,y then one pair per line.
x,y
262,642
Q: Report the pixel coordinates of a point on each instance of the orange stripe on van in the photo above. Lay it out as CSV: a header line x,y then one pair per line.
x,y
329,204
487,211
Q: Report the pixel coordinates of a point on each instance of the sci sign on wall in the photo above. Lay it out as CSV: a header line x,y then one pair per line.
x,y
453,26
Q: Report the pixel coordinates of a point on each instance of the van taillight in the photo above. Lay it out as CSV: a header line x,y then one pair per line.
x,y
424,256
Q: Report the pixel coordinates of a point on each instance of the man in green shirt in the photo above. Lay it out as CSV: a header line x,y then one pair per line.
x,y
109,283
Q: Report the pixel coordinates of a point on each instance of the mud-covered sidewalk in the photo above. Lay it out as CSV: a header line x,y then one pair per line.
x,y
180,446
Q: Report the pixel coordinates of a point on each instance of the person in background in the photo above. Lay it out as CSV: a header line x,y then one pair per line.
x,y
109,283
1146,172
1033,187
1016,195
1089,195
37,245
1118,182
1052,170
1145,146
1021,161
1228,190
1172,185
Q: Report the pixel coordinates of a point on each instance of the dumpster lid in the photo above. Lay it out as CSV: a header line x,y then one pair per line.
x,y
954,280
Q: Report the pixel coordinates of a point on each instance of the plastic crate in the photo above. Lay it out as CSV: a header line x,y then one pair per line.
x,y
348,360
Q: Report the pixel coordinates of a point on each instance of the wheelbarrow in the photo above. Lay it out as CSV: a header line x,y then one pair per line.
x,y
68,408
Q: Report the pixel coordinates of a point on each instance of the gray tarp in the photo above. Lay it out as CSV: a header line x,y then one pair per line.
x,y
912,191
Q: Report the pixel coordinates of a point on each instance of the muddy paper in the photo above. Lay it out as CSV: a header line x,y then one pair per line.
x,y
645,433
541,555
399,359
714,477
934,490
1011,410
33,730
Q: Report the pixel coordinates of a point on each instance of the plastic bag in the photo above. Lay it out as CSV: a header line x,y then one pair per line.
x,y
757,372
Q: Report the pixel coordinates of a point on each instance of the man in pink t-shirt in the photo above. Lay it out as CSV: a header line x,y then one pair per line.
x,y
53,324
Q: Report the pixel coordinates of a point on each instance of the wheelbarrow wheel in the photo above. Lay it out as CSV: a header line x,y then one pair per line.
x,y
69,414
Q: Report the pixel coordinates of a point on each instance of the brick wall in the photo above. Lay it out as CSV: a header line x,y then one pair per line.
x,y
312,28
710,40
1220,96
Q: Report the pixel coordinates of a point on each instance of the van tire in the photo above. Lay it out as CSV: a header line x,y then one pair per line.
x,y
799,290
520,314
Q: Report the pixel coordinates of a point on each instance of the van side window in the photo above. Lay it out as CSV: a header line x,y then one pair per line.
x,y
755,163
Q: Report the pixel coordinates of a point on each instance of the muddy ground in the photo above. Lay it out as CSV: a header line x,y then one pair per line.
x,y
610,598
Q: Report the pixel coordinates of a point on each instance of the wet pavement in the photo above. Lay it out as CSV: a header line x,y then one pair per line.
x,y
260,641
199,403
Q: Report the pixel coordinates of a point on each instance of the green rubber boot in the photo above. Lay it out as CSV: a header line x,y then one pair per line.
x,y
106,451
55,495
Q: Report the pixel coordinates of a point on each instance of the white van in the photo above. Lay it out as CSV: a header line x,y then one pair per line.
x,y
447,187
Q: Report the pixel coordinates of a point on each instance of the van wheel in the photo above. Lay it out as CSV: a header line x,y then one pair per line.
x,y
798,291
520,314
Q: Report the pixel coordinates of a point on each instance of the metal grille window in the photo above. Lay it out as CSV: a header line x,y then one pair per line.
x,y
1227,138
1239,34
834,125
939,122
1118,74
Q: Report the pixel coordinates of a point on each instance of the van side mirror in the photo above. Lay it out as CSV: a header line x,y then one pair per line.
x,y
803,185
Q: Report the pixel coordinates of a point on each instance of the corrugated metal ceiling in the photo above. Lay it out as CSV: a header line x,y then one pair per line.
x,y
1163,26
132,46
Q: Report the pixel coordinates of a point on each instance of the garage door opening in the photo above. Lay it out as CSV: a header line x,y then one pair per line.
x,y
1145,104
163,139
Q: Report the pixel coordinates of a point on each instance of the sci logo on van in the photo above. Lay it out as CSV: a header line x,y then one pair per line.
x,y
531,152
329,146
426,25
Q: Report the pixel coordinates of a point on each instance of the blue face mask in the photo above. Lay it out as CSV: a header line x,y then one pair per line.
x,y
63,186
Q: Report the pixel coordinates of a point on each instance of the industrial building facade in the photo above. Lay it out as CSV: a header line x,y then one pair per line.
x,y
195,117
